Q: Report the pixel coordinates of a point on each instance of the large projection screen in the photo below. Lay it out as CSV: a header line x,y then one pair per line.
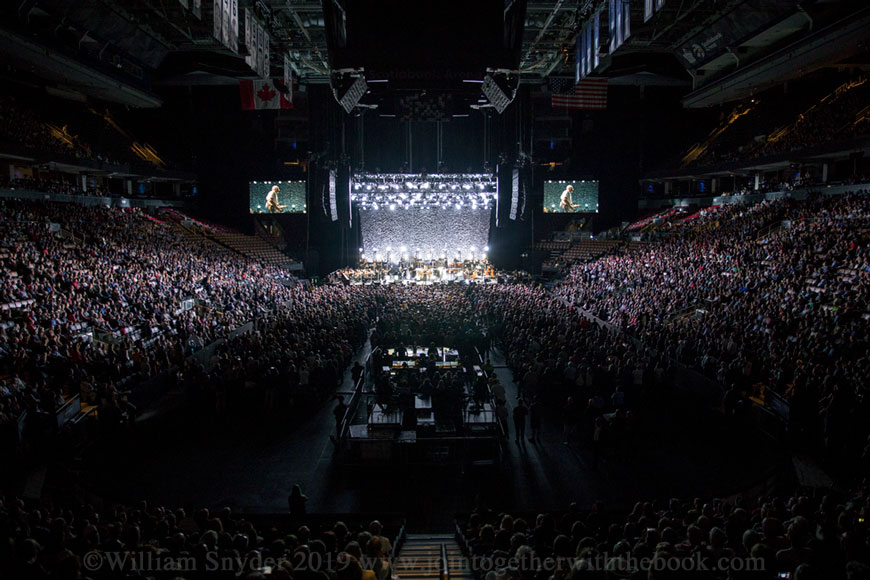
x,y
584,197
291,195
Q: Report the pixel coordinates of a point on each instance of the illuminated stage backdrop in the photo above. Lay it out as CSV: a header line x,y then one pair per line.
x,y
428,231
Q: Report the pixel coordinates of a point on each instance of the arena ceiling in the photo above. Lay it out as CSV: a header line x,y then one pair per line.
x,y
145,43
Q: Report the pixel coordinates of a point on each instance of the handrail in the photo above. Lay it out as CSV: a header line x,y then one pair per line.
x,y
461,540
399,540
445,572
350,412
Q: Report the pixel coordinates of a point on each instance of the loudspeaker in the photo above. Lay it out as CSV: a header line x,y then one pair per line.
x,y
342,196
511,197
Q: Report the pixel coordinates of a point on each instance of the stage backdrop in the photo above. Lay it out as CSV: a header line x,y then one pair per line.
x,y
585,195
292,195
431,232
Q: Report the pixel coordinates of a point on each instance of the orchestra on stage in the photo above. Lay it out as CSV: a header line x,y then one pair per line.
x,y
418,271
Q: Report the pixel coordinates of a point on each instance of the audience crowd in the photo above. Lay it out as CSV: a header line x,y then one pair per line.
x,y
96,301
56,185
70,541
752,538
785,308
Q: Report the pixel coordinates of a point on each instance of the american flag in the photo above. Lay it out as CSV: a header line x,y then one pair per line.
x,y
590,93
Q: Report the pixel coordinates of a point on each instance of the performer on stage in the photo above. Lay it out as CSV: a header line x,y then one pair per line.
x,y
272,201
565,201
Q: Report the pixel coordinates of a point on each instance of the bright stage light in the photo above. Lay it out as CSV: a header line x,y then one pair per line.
x,y
431,191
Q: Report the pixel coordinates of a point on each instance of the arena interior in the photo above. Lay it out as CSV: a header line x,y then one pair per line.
x,y
391,290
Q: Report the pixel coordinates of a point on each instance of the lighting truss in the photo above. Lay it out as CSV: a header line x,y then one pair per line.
x,y
392,191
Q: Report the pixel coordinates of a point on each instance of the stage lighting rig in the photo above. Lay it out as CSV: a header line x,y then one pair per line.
x,y
408,191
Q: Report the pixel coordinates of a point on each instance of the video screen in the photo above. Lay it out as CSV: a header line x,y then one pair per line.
x,y
289,198
579,196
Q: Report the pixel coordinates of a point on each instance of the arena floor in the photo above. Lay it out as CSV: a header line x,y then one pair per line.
x,y
251,466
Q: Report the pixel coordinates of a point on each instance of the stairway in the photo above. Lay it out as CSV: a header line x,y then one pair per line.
x,y
431,557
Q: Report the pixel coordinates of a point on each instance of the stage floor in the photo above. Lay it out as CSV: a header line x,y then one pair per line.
x,y
397,280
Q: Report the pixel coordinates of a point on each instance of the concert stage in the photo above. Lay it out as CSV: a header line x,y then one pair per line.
x,y
418,272
394,423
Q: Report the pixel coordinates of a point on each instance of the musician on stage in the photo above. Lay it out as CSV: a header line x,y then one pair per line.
x,y
272,201
565,201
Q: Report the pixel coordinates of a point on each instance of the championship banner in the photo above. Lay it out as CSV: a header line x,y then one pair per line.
x,y
619,23
267,62
252,50
218,18
197,9
234,25
225,27
288,76
260,47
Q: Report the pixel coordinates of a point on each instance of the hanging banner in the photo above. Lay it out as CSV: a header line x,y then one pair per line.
x,y
234,26
249,23
267,62
225,26
218,18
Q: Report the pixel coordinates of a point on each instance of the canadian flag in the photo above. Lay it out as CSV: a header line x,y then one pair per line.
x,y
263,94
